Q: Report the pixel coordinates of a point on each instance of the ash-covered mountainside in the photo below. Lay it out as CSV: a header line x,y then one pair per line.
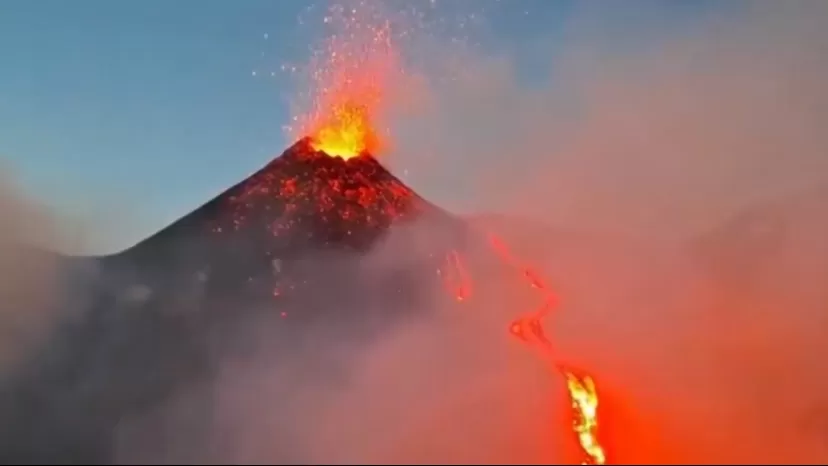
x,y
302,202
309,248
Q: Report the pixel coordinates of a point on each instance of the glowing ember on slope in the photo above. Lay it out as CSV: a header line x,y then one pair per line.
x,y
334,202
307,202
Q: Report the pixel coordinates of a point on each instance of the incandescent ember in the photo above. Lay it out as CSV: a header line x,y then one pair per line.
x,y
303,204
331,200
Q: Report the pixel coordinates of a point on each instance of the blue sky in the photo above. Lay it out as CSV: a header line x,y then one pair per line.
x,y
151,104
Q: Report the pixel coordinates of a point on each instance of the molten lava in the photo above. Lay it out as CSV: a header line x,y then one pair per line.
x,y
585,405
347,133
582,392
352,81
308,194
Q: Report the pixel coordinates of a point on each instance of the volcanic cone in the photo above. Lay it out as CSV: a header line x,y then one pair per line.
x,y
284,254
301,203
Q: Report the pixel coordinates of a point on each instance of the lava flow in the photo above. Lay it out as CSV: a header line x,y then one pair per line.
x,y
347,133
582,392
528,328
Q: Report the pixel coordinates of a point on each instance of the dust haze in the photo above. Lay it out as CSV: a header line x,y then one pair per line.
x,y
621,175
29,286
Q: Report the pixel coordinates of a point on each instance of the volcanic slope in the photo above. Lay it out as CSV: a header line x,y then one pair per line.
x,y
278,257
302,203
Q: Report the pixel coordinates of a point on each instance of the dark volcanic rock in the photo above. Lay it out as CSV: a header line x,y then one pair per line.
x,y
279,256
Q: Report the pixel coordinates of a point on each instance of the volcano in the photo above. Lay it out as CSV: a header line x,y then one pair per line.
x,y
310,244
303,203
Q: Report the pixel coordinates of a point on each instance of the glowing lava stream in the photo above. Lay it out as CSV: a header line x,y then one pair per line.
x,y
582,392
529,328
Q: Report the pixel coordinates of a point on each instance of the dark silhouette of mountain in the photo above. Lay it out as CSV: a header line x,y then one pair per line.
x,y
302,200
284,253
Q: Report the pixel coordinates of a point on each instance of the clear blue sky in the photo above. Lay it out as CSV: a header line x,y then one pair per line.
x,y
152,104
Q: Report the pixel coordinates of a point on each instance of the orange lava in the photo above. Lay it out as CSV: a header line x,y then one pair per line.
x,y
338,203
347,133
352,76
583,395
528,328
584,399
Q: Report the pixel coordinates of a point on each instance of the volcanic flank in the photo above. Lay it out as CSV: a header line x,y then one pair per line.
x,y
303,203
286,252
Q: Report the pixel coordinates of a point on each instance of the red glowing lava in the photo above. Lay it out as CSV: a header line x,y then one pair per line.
x,y
583,394
352,74
528,328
